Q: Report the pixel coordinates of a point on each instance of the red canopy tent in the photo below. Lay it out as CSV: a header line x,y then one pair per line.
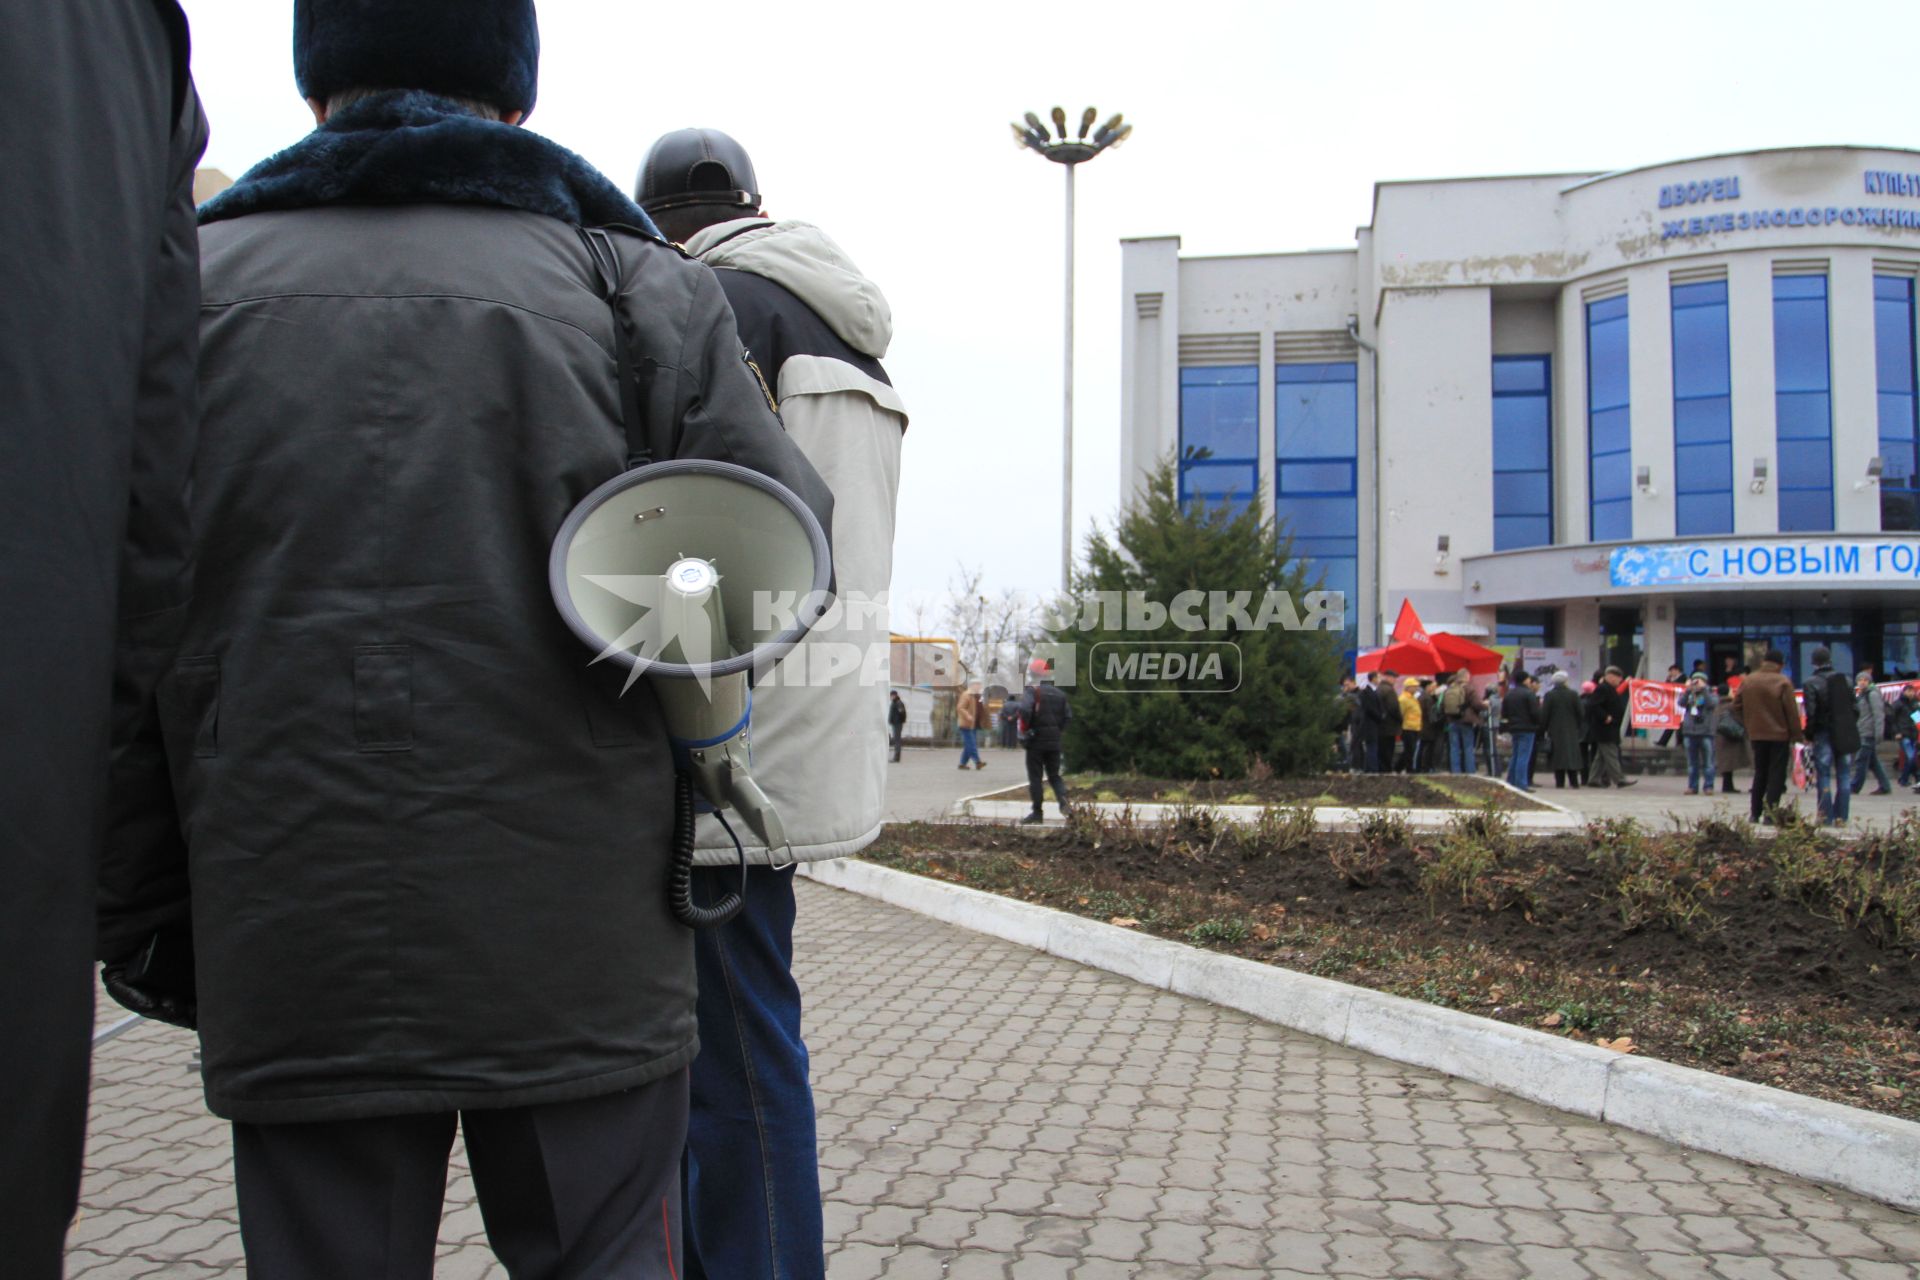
x,y
1417,652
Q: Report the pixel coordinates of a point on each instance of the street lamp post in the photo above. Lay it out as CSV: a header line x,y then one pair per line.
x,y
1069,152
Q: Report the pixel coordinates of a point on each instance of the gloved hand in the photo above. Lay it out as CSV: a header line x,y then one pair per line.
x,y
157,980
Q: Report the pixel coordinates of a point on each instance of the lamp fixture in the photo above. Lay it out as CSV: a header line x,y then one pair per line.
x,y
1643,480
1759,484
1876,467
1443,551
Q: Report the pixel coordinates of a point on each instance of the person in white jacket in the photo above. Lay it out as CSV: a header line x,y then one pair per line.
x,y
815,328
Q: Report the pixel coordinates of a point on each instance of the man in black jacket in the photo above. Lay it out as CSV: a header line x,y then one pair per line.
x,y
1045,713
1609,717
428,841
99,285
1834,734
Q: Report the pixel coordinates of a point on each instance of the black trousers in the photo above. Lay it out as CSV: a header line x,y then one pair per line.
x,y
1048,762
585,1190
1770,760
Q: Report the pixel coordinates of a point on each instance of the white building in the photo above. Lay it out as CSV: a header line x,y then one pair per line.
x,y
1669,411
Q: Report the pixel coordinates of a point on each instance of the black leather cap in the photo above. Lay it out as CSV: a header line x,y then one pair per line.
x,y
696,166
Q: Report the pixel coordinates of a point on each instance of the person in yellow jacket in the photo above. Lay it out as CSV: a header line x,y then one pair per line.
x,y
1409,726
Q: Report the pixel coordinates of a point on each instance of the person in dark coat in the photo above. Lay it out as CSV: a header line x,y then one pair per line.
x,y
896,723
1561,711
1608,716
99,291
1386,730
1373,698
1833,734
1730,750
1520,714
1045,713
427,839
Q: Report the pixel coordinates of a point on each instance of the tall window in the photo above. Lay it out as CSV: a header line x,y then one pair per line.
x,y
1523,628
1522,452
1702,410
1803,403
1609,434
1316,456
1899,429
1220,436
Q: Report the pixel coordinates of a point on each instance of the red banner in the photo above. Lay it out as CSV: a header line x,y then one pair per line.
x,y
1653,705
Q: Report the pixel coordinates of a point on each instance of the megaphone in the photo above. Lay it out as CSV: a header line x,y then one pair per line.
x,y
668,570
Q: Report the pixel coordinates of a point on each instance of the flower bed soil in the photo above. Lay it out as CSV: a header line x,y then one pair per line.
x,y
1758,987
1344,790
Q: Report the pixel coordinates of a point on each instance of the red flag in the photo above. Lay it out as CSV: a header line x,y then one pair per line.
x,y
1407,628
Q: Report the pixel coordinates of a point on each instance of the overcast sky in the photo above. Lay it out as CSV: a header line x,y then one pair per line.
x,y
1260,127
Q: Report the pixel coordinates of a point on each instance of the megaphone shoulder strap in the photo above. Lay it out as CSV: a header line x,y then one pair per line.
x,y
606,264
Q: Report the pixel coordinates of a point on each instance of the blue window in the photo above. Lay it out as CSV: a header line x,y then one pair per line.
x,y
1702,411
1899,428
1803,403
1523,628
1522,452
1220,436
1609,423
1316,421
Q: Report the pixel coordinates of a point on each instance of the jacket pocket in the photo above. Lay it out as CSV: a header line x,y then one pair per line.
x,y
189,700
383,697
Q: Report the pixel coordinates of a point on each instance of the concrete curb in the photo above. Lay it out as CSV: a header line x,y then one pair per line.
x,y
1326,817
1862,1151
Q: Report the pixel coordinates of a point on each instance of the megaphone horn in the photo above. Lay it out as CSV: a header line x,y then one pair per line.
x,y
633,573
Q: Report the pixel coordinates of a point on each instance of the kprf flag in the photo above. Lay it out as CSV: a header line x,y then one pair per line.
x,y
1653,705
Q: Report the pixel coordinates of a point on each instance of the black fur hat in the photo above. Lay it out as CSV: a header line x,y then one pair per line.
x,y
488,50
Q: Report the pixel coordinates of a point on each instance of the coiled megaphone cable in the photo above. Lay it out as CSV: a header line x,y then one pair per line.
x,y
680,878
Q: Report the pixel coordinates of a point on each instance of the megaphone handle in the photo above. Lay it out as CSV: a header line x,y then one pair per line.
x,y
680,876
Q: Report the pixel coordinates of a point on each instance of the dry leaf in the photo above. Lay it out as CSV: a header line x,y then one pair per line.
x,y
1623,1045
1125,922
1552,1020
1886,1091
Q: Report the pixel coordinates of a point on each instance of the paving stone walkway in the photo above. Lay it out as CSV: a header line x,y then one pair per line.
x,y
989,1111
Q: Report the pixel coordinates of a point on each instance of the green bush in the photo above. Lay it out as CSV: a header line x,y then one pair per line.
x,y
1479,862
1280,829
1282,718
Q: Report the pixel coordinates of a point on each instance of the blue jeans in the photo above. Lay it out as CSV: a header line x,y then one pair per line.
x,y
1699,761
1460,748
753,1175
1519,769
1829,784
1868,757
969,746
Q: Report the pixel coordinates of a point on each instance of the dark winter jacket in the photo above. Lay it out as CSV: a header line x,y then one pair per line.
x,y
1520,711
1609,712
428,841
1562,712
1827,707
1045,710
98,323
1830,710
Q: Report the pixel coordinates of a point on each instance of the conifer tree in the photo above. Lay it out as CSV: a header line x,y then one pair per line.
x,y
1285,710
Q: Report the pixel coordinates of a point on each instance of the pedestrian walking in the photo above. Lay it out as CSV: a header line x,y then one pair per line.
x,y
1771,717
1520,712
972,717
896,722
1044,715
1562,712
1869,716
1609,717
1699,723
1833,730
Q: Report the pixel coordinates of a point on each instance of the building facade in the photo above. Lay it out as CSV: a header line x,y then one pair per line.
x,y
1661,415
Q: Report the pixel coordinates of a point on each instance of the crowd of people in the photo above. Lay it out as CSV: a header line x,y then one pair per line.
x,y
1749,721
